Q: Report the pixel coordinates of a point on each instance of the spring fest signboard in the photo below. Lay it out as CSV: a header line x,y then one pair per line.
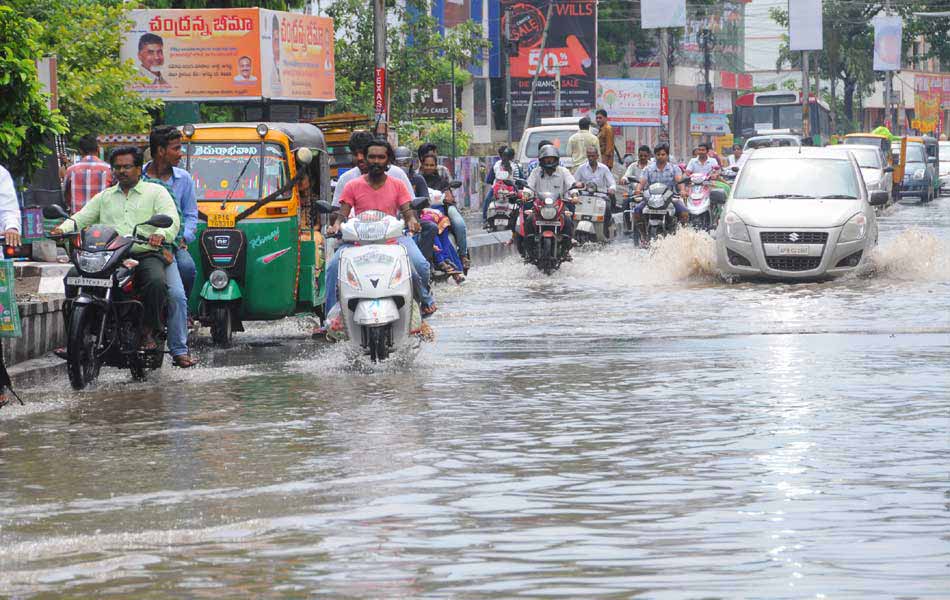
x,y
231,54
571,46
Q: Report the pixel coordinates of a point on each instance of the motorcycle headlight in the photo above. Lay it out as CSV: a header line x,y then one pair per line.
x,y
656,202
548,212
736,229
399,274
93,262
218,279
855,229
919,173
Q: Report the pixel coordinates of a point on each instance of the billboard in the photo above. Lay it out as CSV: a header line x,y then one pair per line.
x,y
726,23
709,123
570,46
655,14
804,25
887,43
927,99
230,54
630,102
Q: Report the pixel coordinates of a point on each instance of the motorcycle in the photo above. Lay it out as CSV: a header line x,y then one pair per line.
x,y
699,206
589,210
628,220
503,207
435,201
104,313
375,290
545,247
659,213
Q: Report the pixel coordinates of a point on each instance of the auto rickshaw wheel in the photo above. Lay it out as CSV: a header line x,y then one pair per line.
x,y
221,327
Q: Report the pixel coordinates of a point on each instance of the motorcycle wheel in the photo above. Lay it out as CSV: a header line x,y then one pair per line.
x,y
376,338
653,232
221,329
139,372
546,260
82,364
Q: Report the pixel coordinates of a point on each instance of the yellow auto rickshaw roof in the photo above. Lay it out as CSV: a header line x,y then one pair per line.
x,y
299,134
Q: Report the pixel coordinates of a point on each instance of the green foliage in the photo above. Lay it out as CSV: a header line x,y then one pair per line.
x,y
93,83
422,64
414,133
26,123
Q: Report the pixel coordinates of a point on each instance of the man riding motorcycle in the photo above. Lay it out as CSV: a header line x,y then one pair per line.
x,y
596,172
550,177
661,171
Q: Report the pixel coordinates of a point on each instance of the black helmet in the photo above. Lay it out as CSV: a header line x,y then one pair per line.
x,y
508,154
549,157
403,156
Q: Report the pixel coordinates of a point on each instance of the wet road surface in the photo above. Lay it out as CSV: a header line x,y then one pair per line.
x,y
630,427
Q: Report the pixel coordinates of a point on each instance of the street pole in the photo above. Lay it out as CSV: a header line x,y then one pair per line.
x,y
453,117
664,86
890,108
379,44
557,88
707,65
806,91
534,80
508,111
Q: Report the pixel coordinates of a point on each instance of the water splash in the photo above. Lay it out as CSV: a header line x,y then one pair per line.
x,y
913,255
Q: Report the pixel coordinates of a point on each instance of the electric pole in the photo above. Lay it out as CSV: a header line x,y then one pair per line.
x,y
890,108
511,51
557,88
379,54
706,41
453,116
806,92
664,86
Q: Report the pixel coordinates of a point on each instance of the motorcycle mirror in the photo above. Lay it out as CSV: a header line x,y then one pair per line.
x,y
717,196
160,221
324,207
54,211
304,155
888,169
455,184
419,202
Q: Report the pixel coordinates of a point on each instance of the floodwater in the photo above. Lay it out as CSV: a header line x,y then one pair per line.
x,y
631,427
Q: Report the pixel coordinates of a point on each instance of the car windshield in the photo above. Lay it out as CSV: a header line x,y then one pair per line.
x,y
797,178
216,166
866,157
916,153
790,117
558,139
770,142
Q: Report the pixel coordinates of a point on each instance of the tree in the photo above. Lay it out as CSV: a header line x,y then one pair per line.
x,y
93,83
26,122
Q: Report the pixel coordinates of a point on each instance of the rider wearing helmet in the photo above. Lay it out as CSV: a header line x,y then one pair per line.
x,y
550,177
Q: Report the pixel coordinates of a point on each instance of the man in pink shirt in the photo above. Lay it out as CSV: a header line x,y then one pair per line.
x,y
378,191
87,177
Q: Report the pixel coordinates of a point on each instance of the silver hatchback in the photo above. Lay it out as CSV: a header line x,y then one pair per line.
x,y
797,213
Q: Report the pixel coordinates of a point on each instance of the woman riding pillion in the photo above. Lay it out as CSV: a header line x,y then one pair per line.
x,y
438,177
377,191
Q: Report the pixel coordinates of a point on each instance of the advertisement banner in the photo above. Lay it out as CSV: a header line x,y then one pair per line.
x,y
804,25
431,104
887,43
709,123
9,312
571,46
722,102
630,102
928,96
297,56
379,92
231,54
725,20
655,14
200,54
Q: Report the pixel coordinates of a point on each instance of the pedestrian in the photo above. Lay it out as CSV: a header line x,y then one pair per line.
x,y
89,176
605,135
10,223
578,143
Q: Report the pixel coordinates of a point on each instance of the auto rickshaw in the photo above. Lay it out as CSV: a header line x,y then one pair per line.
x,y
932,149
258,250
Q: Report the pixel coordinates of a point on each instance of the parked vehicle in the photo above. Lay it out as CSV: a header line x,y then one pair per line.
x,y
590,214
881,142
557,131
875,172
258,256
659,215
920,173
797,214
105,314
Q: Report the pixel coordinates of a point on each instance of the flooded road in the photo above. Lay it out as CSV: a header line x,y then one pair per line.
x,y
631,427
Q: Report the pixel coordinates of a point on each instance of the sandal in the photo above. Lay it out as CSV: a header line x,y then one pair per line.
x,y
428,310
184,361
458,277
148,343
447,267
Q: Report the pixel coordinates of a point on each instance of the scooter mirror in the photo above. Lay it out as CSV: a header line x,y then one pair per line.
x,y
160,221
419,202
717,196
324,207
54,211
455,184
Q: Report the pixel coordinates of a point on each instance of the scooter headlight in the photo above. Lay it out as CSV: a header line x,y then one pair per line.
x,y
93,262
855,229
218,279
399,274
548,212
736,229
351,276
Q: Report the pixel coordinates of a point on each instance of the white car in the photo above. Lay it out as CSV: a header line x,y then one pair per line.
x,y
877,175
557,131
797,213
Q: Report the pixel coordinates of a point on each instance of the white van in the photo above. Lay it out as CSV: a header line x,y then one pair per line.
x,y
556,130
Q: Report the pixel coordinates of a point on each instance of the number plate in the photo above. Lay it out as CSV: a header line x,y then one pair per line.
x,y
501,221
548,223
793,249
89,282
220,220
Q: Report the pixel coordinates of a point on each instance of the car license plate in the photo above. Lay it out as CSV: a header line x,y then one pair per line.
x,y
793,249
221,220
501,221
88,282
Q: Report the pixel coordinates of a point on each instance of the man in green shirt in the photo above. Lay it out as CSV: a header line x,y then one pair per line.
x,y
578,144
123,206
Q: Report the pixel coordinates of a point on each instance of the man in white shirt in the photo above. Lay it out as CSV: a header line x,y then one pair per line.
x,y
9,209
738,158
594,171
702,162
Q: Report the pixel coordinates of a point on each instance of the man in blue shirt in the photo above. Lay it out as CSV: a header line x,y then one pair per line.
x,y
665,172
165,145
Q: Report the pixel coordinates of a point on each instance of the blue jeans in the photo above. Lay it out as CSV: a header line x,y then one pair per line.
x,y
186,268
420,273
458,228
488,198
177,322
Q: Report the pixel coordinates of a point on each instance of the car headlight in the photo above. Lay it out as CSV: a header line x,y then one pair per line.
x,y
736,229
855,229
218,279
919,174
93,262
548,212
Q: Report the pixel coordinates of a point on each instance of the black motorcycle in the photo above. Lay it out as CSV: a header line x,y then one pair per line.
x,y
659,214
104,315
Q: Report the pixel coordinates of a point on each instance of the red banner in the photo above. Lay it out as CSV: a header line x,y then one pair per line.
x,y
664,101
379,92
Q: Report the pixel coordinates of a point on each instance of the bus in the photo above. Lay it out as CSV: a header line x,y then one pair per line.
x,y
781,112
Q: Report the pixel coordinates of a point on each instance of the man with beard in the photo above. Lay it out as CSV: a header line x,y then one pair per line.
x,y
359,140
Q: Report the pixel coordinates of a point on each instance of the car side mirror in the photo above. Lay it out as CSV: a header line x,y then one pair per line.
x,y
879,198
888,169
717,196
455,184
160,221
324,207
54,211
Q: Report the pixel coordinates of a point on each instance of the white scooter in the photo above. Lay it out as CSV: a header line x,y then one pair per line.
x,y
375,287
590,209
